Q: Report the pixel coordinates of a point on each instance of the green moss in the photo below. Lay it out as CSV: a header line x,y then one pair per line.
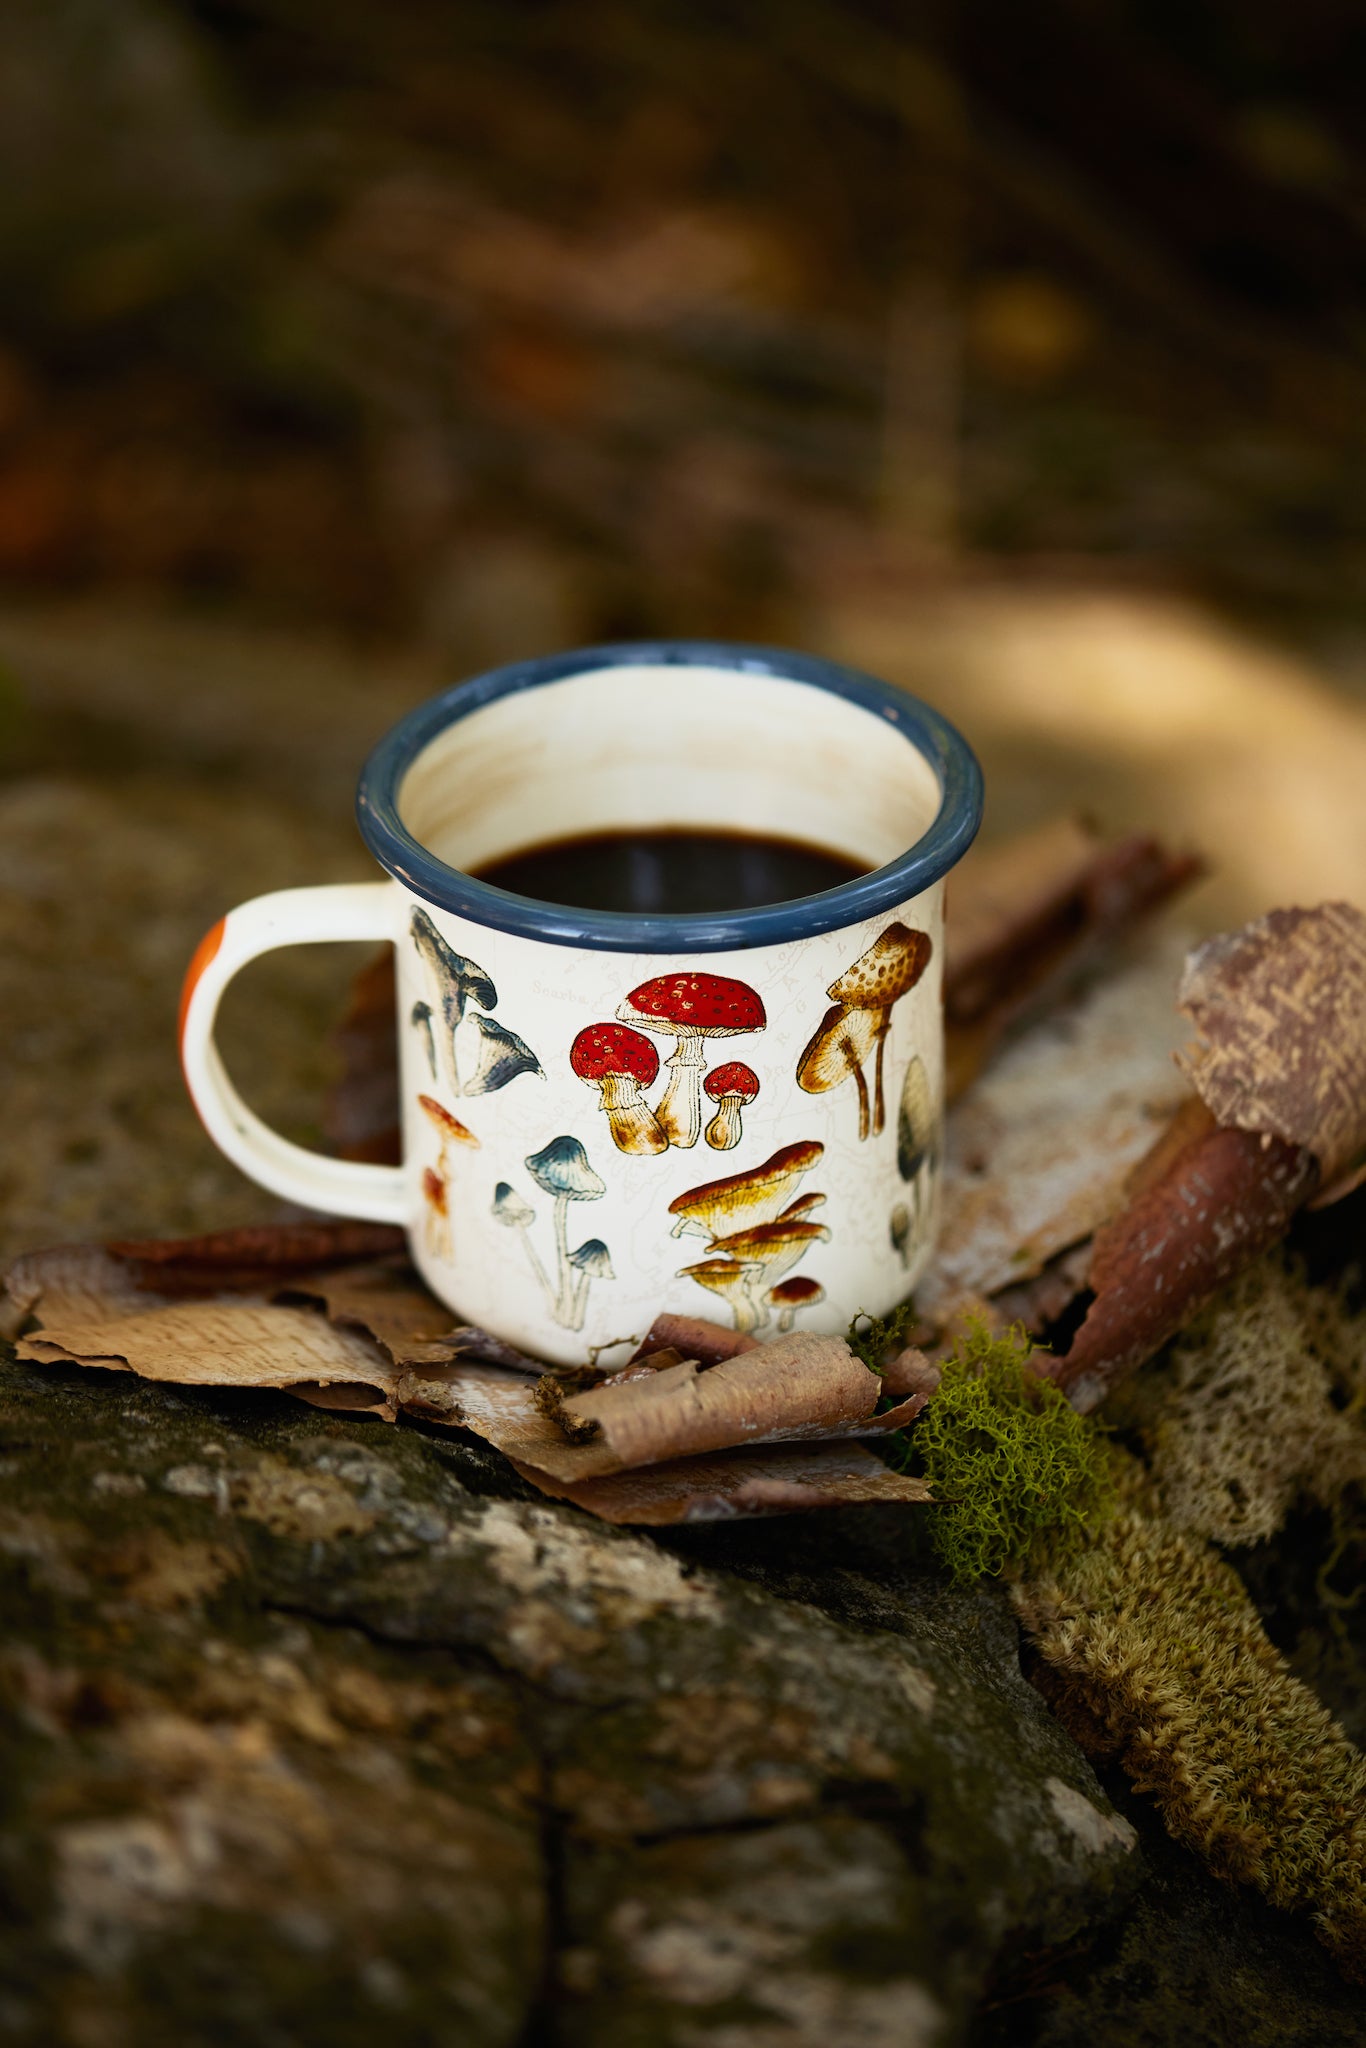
x,y
880,1335
1018,1472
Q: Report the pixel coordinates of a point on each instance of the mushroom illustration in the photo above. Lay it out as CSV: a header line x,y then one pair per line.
x,y
451,1132
502,1057
732,1088
561,1168
899,1231
691,1008
420,1017
767,1251
744,1198
803,1206
731,1282
620,1062
838,1047
592,1261
438,1229
455,982
863,998
915,1121
789,1297
515,1214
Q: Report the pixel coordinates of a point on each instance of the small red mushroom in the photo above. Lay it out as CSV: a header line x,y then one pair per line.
x,y
620,1063
692,1008
732,1088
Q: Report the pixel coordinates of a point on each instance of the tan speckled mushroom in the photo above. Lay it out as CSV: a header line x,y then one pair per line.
x,y
789,1297
865,994
744,1198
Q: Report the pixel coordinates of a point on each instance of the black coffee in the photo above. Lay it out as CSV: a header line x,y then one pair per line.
x,y
675,871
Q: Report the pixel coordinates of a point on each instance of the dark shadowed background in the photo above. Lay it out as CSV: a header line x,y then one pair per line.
x,y
1015,353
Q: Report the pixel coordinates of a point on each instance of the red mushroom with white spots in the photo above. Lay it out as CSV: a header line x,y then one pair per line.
x,y
691,1008
732,1088
620,1063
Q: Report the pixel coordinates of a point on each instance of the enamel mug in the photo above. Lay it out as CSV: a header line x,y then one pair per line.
x,y
608,1115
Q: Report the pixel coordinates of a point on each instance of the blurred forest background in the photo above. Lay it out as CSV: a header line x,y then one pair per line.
x,y
1017,353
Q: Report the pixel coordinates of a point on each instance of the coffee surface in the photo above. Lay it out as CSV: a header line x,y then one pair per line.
x,y
670,871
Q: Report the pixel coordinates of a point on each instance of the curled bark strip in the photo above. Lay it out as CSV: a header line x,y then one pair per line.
x,y
694,1337
1226,1196
802,1388
798,1387
1030,913
251,1258
1281,1011
737,1485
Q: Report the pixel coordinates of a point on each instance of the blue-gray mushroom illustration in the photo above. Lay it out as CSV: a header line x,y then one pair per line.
x,y
561,1170
420,1017
454,983
502,1057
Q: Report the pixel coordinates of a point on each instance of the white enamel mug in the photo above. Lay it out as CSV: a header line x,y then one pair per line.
x,y
608,1115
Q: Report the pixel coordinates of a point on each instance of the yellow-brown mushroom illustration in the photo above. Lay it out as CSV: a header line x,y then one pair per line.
x,y
436,1180
753,1240
731,1282
744,1198
862,1000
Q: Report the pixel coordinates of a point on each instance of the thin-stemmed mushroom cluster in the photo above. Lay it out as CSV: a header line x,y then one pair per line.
x,y
561,1170
622,1063
455,983
757,1228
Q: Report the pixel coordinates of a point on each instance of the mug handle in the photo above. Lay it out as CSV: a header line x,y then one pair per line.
x,y
289,917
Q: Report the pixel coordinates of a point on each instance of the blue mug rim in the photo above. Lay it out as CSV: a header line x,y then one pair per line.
x,y
867,896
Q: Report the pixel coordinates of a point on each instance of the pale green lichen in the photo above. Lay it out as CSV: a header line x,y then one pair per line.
x,y
1259,1404
1016,1470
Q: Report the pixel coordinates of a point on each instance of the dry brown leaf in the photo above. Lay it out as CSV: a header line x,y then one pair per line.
x,y
1280,1007
254,1258
386,1300
92,1312
732,1485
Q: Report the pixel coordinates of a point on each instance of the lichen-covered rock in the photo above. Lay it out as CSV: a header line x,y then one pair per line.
x,y
310,1733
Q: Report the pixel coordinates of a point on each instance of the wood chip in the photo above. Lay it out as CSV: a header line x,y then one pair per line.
x,y
1038,1154
1225,1197
1281,1011
736,1485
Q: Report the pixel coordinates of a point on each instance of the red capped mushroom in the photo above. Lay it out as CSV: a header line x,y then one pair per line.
x,y
620,1063
691,1007
732,1088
